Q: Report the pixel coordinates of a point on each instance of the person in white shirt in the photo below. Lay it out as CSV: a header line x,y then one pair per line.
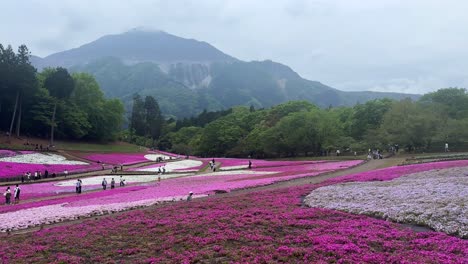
x,y
17,193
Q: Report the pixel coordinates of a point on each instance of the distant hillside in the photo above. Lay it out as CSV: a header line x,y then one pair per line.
x,y
187,76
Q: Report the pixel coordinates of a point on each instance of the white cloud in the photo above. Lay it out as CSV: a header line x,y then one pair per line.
x,y
336,42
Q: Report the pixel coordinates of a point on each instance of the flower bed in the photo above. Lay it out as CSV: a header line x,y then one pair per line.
x,y
10,169
121,198
175,166
436,198
124,158
7,153
260,227
416,196
41,158
230,164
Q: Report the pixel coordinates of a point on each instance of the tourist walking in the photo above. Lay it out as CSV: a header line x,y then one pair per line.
x,y
446,147
17,193
189,198
112,183
78,186
7,195
122,181
250,164
104,184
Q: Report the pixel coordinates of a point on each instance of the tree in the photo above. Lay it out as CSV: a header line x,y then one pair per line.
x,y
153,118
368,117
452,101
60,86
27,82
409,124
137,118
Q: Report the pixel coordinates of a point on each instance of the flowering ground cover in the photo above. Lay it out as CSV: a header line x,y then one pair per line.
x,y
18,163
231,163
259,227
41,158
186,165
7,153
436,198
397,171
50,189
119,158
9,169
150,193
436,157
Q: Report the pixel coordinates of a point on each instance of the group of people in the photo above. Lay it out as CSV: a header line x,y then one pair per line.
x,y
115,169
374,154
161,170
37,147
16,194
28,176
213,165
112,183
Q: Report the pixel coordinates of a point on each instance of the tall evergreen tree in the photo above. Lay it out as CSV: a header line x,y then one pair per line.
x,y
137,118
154,119
60,85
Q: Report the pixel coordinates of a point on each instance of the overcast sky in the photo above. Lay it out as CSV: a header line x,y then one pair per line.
x,y
412,46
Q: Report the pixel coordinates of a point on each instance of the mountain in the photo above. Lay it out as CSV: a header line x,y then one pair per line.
x,y
187,76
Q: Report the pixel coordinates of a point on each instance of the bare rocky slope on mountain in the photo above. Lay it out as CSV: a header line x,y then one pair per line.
x,y
187,76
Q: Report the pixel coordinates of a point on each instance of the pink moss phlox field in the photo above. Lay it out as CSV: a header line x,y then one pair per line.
x,y
118,158
397,171
69,199
259,227
7,153
9,169
161,164
256,163
200,184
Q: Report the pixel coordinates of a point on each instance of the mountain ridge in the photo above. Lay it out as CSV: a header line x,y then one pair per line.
x,y
188,76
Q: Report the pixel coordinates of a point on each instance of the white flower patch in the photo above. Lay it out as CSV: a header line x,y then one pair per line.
x,y
98,180
42,158
437,198
237,172
154,157
61,212
176,166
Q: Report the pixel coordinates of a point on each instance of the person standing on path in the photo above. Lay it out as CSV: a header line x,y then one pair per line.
x,y
250,164
7,195
446,147
78,186
122,181
17,193
104,184
112,183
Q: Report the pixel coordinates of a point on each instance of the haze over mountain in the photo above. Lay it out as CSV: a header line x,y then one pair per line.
x,y
187,76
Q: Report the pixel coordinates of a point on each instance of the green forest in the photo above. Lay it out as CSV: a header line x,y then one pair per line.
x,y
57,104
53,103
299,128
